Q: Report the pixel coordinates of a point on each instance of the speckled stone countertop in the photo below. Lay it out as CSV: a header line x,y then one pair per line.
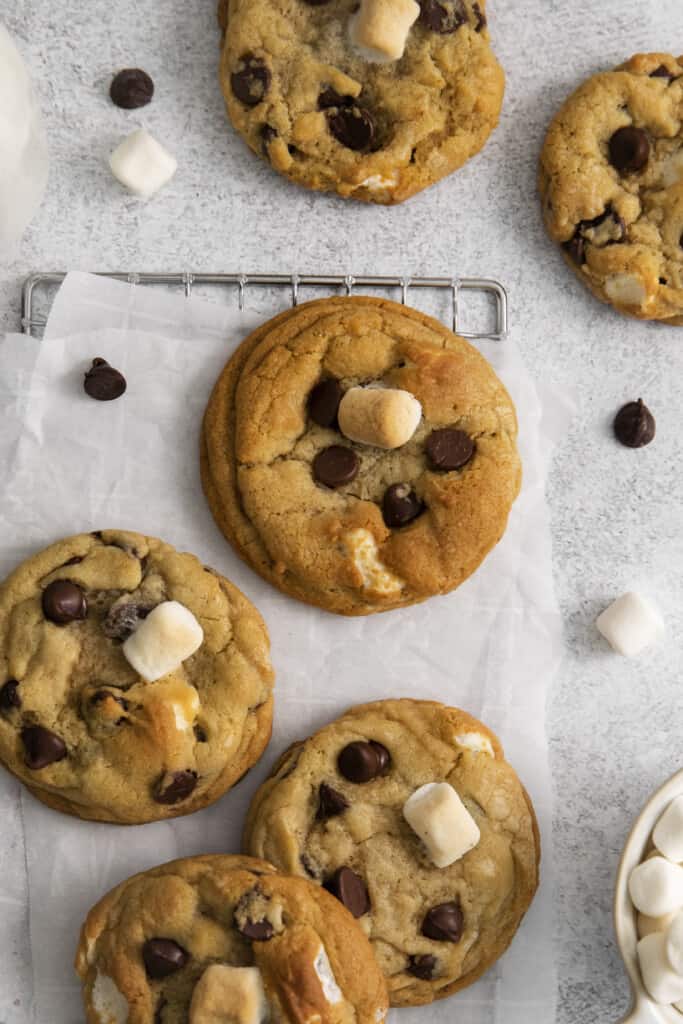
x,y
614,725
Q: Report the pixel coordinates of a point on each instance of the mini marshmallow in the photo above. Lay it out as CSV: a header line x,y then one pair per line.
x,y
668,832
382,417
376,577
229,995
626,289
475,741
647,925
163,640
674,943
110,1005
630,624
663,983
323,968
142,164
438,816
656,887
379,31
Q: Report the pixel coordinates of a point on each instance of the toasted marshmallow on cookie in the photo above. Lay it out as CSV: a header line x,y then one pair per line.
x,y
381,417
379,30
163,640
229,995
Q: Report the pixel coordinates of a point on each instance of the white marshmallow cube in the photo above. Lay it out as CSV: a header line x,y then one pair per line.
x,y
668,832
630,624
142,164
229,995
663,983
379,31
656,887
438,816
674,943
163,640
383,417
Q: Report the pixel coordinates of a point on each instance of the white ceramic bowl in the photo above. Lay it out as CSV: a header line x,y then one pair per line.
x,y
643,1010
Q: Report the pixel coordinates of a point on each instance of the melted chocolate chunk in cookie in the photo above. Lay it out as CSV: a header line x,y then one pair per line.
x,y
41,747
335,466
662,72
330,802
629,149
422,967
124,619
352,126
448,449
64,602
351,890
444,923
323,402
174,787
251,81
362,761
9,696
162,957
400,505
444,17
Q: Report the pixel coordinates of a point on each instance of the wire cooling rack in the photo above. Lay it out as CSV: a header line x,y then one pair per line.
x,y
39,291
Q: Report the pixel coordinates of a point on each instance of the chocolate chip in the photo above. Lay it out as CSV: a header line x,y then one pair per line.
x,y
662,72
268,133
335,466
9,696
64,602
132,88
162,957
480,22
173,787
41,747
605,229
444,923
330,802
352,126
251,81
103,383
400,505
257,931
423,967
629,149
329,97
201,737
351,890
442,17
449,449
363,761
576,250
124,619
323,402
634,425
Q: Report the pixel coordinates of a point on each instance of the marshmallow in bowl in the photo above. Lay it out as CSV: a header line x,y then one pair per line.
x,y
668,832
656,887
663,983
674,943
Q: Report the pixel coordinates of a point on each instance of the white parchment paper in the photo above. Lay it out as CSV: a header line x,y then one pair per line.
x,y
71,464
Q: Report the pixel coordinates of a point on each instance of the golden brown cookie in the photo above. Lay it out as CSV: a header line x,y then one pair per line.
x,y
325,113
332,811
81,727
365,529
611,182
226,940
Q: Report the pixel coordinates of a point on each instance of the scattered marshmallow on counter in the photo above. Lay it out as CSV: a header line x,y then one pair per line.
x,y
438,816
656,887
229,995
630,624
379,31
163,640
383,417
668,832
142,164
663,983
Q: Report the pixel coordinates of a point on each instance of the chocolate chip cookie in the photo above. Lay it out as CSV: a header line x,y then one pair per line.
x,y
611,181
226,938
346,525
81,727
334,810
328,114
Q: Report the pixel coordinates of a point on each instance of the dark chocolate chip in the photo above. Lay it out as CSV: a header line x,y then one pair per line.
x,y
400,505
257,931
351,890
335,466
201,737
124,619
64,602
662,72
162,957
329,97
132,88
634,425
480,22
449,449
268,133
444,17
422,967
444,923
251,81
9,696
76,560
352,126
41,747
173,787
576,250
629,149
330,802
323,402
363,761
103,383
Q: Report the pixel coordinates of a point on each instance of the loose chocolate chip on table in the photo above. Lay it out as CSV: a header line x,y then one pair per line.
x,y
323,402
351,890
330,802
634,425
400,505
335,466
131,88
257,931
444,923
41,747
449,449
103,383
9,696
629,149
363,761
64,602
173,787
162,957
251,81
442,17
352,126
124,619
422,967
